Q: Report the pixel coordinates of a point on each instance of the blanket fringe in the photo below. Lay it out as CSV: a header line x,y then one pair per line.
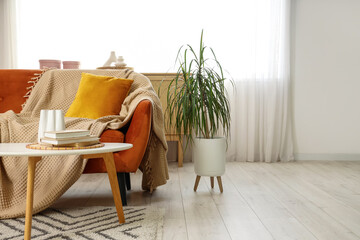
x,y
34,80
148,184
128,72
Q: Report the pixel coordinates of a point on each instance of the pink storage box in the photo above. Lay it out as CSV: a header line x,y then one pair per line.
x,y
71,64
49,63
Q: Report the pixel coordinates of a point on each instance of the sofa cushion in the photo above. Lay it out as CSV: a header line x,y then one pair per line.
x,y
97,165
13,87
111,135
99,96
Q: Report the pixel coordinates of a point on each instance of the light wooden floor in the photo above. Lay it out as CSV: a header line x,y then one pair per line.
x,y
298,200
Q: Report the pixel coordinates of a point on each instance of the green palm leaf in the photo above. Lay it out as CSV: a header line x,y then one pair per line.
x,y
197,99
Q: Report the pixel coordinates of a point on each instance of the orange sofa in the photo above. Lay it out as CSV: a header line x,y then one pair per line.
x,y
13,87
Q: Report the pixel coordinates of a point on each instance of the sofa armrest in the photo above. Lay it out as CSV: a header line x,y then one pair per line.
x,y
138,135
112,136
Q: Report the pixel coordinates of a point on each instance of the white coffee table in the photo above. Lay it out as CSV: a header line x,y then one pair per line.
x,y
106,153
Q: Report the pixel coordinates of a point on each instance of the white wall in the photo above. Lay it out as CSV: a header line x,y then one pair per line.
x,y
326,78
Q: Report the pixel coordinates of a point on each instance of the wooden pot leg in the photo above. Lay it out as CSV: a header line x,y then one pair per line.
x,y
212,182
220,183
196,182
30,195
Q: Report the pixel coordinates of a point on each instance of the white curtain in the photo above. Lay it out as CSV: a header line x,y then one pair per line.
x,y
260,103
8,52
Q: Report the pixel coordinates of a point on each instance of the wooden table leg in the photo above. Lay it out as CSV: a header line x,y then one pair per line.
x,y
196,182
30,195
111,170
212,182
180,153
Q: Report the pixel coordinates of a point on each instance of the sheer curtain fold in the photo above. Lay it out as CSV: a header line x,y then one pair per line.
x,y
261,119
8,50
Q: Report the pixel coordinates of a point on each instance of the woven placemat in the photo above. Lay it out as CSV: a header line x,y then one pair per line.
x,y
37,146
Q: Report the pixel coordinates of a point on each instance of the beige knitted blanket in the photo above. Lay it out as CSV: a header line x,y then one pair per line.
x,y
56,89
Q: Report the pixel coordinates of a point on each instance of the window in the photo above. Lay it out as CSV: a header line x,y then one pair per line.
x,y
146,33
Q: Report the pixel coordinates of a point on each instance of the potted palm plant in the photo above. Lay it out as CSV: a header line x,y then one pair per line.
x,y
198,108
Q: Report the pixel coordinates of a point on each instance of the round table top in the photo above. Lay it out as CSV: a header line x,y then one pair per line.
x,y
19,149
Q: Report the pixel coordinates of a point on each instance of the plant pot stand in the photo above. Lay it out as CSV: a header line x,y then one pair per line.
x,y
211,181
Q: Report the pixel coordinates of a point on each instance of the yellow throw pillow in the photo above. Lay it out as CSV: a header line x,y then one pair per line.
x,y
99,96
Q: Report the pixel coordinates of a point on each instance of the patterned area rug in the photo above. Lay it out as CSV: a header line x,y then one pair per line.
x,y
89,223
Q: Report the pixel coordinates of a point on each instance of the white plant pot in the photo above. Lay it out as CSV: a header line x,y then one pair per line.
x,y
209,156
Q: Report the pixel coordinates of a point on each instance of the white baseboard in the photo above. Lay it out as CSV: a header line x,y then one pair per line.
x,y
327,156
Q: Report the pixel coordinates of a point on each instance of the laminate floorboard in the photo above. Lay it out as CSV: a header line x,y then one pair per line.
x,y
277,219
302,200
203,219
305,200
